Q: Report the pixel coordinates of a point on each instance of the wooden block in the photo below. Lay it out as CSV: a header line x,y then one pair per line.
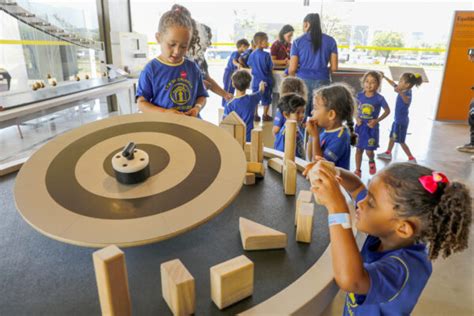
x,y
228,127
256,167
231,281
247,151
233,119
290,140
276,164
313,173
256,152
289,177
178,287
256,236
112,281
220,114
249,178
240,135
304,196
304,225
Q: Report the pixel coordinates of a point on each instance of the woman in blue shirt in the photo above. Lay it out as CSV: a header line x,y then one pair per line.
x,y
311,54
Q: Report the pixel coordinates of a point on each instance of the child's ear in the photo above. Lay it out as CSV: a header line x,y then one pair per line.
x,y
286,115
405,229
332,115
158,37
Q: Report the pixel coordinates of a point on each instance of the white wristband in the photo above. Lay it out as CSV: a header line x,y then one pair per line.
x,y
200,106
342,219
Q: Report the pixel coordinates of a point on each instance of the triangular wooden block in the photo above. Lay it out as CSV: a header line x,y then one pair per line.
x,y
256,236
234,119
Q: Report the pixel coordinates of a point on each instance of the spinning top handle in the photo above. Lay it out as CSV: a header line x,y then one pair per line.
x,y
128,151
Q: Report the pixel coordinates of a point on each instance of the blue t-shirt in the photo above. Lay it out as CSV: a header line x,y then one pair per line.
x,y
401,109
313,65
279,120
245,56
280,141
369,107
397,278
171,86
262,66
230,65
244,106
336,146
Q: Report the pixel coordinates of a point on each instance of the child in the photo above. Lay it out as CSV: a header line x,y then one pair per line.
x,y
292,106
400,125
333,105
244,57
367,128
244,104
288,85
232,65
411,215
262,67
170,82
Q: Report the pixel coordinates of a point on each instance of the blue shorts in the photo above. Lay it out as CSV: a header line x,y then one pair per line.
x,y
399,132
367,138
267,94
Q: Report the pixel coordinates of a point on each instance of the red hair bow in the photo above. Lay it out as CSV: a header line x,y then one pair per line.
x,y
430,183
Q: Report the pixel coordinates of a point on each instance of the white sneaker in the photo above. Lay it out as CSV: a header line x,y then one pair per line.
x,y
412,161
468,148
385,156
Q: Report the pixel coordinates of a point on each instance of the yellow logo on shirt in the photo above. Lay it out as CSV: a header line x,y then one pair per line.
x,y
180,92
371,141
366,111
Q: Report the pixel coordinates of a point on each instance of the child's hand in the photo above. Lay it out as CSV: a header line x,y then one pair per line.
x,y
193,112
262,85
329,192
312,127
372,123
174,111
358,121
310,165
228,96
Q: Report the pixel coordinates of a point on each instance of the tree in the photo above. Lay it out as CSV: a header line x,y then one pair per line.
x,y
387,39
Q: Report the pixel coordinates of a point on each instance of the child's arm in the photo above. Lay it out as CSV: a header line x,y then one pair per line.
x,y
374,122
405,98
275,129
390,81
294,60
261,87
349,271
236,63
214,87
147,107
313,131
198,106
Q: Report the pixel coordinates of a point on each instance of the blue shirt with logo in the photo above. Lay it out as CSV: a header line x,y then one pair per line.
x,y
171,86
262,66
244,106
313,65
369,107
401,109
397,278
280,141
336,146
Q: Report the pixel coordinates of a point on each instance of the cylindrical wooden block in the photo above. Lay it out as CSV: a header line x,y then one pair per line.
x,y
290,140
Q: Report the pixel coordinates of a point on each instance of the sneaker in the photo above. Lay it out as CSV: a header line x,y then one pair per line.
x,y
256,118
468,148
358,173
385,156
372,168
267,118
412,160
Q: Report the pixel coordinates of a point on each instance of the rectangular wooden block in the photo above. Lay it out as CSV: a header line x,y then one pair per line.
x,y
231,281
112,281
276,164
304,225
249,178
247,151
290,139
240,134
178,287
304,196
256,167
220,114
289,177
256,236
313,173
228,127
256,152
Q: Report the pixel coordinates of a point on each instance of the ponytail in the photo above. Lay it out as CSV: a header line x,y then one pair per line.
x,y
315,32
414,79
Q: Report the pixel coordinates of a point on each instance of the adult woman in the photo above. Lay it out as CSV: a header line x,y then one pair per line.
x,y
280,50
310,55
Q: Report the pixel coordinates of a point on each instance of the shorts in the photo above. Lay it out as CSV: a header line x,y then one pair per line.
x,y
399,132
367,138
